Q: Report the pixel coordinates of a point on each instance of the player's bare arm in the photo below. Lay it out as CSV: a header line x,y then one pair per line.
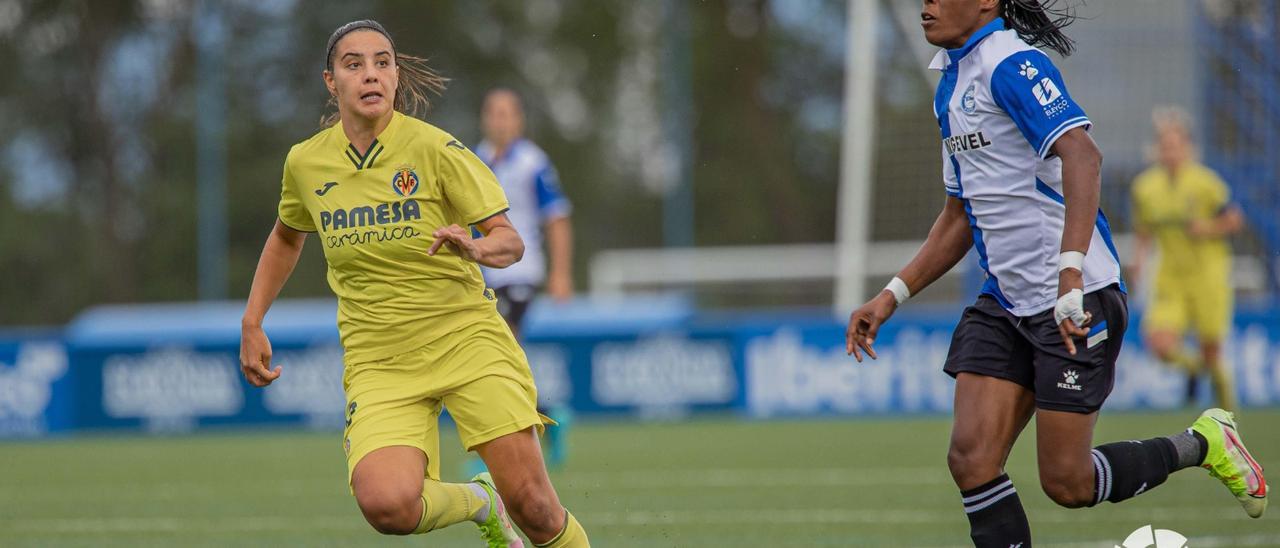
x,y
947,243
501,247
560,249
1227,222
1143,242
279,256
1081,186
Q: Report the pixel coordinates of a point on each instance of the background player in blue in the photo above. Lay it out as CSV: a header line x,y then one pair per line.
x,y
1022,177
541,212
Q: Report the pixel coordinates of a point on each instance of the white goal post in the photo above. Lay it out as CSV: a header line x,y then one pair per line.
x,y
857,156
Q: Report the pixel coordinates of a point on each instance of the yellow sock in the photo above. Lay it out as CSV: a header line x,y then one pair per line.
x,y
1185,361
444,504
1224,387
573,536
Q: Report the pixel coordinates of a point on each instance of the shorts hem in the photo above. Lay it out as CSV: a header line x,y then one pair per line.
x,y
358,456
956,371
1067,407
498,431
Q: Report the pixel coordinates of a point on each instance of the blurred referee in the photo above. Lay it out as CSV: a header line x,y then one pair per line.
x,y
539,211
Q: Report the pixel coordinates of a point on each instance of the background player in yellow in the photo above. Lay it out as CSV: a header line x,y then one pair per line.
x,y
1182,207
389,196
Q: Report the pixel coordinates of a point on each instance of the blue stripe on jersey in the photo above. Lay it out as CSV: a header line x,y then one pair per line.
x,y
946,88
1104,227
551,201
1029,88
1097,328
1047,190
992,285
545,187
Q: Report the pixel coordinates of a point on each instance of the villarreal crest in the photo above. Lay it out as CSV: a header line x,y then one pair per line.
x,y
405,181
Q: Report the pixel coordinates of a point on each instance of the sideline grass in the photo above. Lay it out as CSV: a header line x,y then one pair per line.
x,y
704,483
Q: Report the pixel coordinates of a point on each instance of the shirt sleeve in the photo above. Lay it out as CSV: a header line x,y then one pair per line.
x,y
1217,193
292,211
552,203
1030,89
468,185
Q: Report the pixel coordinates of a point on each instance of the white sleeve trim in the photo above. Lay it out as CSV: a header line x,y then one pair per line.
x,y
1062,128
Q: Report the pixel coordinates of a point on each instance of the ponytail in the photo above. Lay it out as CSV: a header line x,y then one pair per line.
x,y
1040,23
417,82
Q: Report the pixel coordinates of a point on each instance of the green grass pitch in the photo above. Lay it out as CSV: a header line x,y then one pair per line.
x,y
704,483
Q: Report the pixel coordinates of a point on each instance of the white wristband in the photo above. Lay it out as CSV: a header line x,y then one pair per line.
x,y
1071,259
899,289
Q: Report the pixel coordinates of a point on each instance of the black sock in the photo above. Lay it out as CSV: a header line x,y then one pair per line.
x,y
1126,469
996,518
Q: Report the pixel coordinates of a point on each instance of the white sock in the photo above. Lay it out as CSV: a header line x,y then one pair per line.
x,y
483,513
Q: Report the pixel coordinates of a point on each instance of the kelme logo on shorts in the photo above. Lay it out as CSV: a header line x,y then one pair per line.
x,y
1070,376
405,181
351,411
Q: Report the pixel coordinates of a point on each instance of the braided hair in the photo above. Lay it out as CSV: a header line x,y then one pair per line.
x,y
1040,23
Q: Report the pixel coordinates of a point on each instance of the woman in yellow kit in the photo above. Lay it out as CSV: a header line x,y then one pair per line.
x,y
391,198
1186,209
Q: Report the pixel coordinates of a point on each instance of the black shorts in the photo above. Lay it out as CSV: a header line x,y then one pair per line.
x,y
514,300
1029,351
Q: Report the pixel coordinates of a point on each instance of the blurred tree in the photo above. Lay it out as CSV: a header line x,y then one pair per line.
x,y
71,230
768,84
97,190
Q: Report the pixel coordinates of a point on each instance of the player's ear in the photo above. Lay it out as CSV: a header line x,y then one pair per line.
x,y
331,85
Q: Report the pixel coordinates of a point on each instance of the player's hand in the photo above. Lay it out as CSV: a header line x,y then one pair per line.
x,y
255,357
1200,229
560,286
865,322
1134,274
1069,312
459,241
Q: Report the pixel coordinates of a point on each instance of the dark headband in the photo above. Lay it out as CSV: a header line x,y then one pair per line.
x,y
349,28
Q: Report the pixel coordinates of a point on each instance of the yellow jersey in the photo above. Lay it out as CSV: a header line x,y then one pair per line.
x,y
374,212
1165,205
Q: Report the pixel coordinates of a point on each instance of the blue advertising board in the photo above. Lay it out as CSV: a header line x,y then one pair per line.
x,y
176,367
35,393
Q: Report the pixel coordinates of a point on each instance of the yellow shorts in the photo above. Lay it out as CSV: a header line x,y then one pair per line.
x,y
1206,308
480,374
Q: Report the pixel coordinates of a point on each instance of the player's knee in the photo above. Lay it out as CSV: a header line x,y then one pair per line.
x,y
1162,346
1066,492
534,508
971,464
391,511
1211,354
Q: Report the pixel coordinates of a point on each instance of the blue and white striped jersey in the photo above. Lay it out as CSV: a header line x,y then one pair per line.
x,y
533,190
1001,104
